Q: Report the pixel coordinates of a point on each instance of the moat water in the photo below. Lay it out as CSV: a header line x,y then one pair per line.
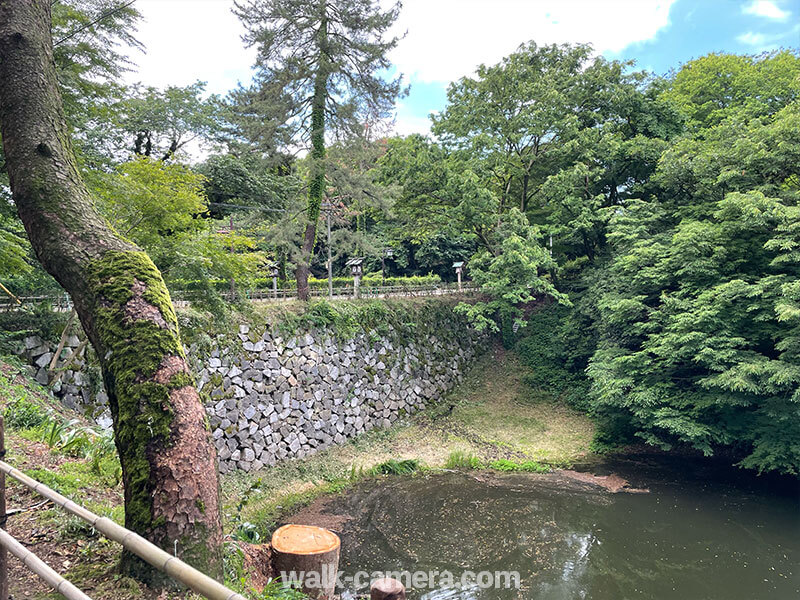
x,y
701,532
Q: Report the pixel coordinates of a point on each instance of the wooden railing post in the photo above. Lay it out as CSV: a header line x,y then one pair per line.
x,y
3,517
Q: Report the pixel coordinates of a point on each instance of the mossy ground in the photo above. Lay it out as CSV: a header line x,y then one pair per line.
x,y
492,418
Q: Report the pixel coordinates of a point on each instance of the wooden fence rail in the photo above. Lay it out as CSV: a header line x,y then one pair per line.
x,y
161,560
62,302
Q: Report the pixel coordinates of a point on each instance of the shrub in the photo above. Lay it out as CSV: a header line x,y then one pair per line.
x,y
503,464
265,283
529,466
544,349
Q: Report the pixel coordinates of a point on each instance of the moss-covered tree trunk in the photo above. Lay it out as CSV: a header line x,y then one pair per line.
x,y
316,187
169,463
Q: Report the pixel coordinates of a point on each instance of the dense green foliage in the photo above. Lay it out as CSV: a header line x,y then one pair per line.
x,y
655,219
661,214
547,349
690,312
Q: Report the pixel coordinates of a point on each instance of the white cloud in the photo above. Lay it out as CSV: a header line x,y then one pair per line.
x,y
448,39
187,40
762,42
406,124
766,9
752,39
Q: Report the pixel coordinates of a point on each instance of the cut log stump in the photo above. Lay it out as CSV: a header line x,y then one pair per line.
x,y
387,589
309,555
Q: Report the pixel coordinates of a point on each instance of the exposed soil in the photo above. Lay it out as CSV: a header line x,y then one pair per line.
x,y
613,482
318,513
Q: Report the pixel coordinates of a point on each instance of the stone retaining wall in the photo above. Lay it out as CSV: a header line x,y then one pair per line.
x,y
272,396
78,387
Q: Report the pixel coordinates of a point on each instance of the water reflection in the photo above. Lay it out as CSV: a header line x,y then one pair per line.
x,y
689,538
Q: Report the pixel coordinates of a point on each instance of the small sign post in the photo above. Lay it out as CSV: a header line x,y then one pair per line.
x,y
274,271
459,267
387,253
356,270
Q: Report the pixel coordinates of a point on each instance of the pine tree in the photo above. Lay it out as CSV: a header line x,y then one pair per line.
x,y
319,67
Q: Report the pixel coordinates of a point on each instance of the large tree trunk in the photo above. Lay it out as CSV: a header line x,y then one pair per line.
x,y
169,464
316,188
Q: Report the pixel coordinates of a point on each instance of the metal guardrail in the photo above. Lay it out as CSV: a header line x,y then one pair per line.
x,y
147,551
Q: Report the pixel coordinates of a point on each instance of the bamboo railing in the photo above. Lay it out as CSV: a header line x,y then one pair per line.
x,y
158,558
40,568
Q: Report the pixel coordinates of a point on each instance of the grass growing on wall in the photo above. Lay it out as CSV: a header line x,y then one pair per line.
x,y
265,283
384,317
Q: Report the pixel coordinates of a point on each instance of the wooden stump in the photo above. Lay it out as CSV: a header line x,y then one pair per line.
x,y
309,554
387,589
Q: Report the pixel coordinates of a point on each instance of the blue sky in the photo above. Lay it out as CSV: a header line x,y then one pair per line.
x,y
698,27
692,29
448,39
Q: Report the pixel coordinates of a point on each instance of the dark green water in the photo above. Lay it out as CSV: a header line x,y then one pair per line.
x,y
701,533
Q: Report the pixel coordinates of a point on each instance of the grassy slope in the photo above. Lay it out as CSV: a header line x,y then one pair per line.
x,y
492,416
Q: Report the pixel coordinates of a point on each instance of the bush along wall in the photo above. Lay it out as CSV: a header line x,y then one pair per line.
x,y
285,385
265,283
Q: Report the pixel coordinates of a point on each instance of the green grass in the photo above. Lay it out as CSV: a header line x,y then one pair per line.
x,y
396,467
22,413
499,409
528,466
463,460
74,477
